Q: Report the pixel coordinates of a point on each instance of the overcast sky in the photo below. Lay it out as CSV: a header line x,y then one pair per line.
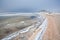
x,y
30,5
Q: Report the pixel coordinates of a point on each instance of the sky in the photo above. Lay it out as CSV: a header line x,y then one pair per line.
x,y
29,5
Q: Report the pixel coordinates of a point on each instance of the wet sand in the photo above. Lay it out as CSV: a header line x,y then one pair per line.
x,y
53,27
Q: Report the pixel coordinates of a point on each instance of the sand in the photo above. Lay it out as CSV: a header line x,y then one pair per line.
x,y
53,27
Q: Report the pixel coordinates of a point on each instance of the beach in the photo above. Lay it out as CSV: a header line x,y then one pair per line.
x,y
53,27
